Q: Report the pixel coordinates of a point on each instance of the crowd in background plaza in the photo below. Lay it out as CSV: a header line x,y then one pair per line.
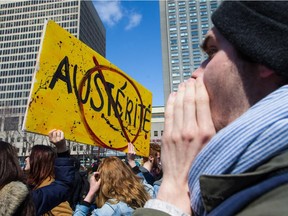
x,y
54,183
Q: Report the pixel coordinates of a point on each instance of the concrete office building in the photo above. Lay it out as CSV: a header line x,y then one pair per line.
x,y
157,124
183,27
21,24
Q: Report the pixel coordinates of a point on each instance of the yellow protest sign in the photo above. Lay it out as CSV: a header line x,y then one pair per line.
x,y
80,92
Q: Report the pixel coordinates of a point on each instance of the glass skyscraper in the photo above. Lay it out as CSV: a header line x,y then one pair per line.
x,y
21,25
184,25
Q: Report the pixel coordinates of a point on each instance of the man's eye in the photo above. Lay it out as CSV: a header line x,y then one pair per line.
x,y
211,52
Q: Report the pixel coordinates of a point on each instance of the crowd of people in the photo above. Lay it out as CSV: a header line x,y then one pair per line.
x,y
224,148
52,183
45,183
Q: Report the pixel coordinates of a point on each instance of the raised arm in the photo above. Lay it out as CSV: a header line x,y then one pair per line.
x,y
46,198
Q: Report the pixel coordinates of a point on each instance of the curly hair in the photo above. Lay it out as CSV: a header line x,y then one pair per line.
x,y
118,182
42,159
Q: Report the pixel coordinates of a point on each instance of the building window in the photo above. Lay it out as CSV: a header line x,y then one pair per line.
x,y
195,40
176,81
175,74
173,22
155,133
184,40
174,48
185,53
195,46
183,21
173,41
187,73
194,26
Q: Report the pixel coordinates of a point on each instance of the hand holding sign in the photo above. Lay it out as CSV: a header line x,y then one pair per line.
x,y
93,101
57,138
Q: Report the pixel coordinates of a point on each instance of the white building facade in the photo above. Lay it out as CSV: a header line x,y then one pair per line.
x,y
157,124
21,25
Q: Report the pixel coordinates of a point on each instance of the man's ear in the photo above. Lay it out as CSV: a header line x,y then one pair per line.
x,y
265,72
151,158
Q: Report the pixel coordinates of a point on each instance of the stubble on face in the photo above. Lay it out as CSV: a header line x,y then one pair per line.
x,y
226,80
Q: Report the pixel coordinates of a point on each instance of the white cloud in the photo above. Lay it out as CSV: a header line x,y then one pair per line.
x,y
134,20
110,12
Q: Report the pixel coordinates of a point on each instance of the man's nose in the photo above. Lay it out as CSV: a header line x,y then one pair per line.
x,y
197,73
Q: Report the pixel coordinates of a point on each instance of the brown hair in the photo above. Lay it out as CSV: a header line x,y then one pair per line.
x,y
120,183
10,171
42,159
154,149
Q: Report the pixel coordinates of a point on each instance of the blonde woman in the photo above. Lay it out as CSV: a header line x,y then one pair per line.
x,y
115,189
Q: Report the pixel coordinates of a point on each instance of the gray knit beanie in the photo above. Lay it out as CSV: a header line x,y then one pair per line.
x,y
258,29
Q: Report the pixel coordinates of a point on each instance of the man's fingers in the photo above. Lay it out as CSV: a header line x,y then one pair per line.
x,y
189,109
178,110
168,123
203,111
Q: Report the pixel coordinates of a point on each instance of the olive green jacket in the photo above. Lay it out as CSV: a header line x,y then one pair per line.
x,y
216,189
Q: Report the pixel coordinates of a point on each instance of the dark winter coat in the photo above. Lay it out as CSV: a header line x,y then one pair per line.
x,y
48,197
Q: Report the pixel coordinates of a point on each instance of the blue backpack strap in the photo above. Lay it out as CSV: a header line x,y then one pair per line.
x,y
239,200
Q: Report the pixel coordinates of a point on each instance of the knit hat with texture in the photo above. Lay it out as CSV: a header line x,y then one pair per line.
x,y
258,29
